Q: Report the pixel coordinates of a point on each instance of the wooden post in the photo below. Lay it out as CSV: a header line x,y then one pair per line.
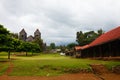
x,y
110,52
100,50
86,53
94,52
80,53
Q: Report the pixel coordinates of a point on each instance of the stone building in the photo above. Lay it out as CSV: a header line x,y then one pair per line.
x,y
23,35
37,35
30,38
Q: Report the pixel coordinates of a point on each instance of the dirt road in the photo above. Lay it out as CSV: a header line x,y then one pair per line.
x,y
78,76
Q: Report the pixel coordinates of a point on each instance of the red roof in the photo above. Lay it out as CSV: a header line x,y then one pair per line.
x,y
107,37
104,38
85,46
81,47
78,47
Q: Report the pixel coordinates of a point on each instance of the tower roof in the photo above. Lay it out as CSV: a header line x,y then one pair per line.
x,y
22,31
37,31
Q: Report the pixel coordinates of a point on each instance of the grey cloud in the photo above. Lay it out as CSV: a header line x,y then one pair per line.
x,y
59,20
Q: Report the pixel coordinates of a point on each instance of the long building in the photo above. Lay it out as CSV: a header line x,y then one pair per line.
x,y
106,45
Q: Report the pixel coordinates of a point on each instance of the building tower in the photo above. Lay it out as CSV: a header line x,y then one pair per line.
x,y
37,34
22,35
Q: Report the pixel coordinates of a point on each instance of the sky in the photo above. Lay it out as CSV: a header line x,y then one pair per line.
x,y
59,20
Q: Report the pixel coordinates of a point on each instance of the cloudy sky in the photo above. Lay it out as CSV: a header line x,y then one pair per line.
x,y
59,20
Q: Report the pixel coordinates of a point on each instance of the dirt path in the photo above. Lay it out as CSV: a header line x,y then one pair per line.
x,y
99,69
10,68
103,73
78,76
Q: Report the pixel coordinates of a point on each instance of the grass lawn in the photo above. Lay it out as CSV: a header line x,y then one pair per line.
x,y
3,68
3,64
49,64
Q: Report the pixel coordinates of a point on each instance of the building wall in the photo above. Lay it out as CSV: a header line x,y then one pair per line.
x,y
110,49
30,39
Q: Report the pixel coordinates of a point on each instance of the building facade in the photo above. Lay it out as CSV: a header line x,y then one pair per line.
x,y
23,36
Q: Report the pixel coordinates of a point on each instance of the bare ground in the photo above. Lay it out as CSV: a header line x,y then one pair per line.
x,y
79,76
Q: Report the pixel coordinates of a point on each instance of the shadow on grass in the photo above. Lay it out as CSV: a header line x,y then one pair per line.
x,y
2,60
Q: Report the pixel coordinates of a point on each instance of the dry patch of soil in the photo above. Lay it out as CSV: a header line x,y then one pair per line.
x,y
79,76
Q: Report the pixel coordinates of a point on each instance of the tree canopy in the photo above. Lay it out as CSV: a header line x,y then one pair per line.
x,y
39,42
87,37
4,35
52,45
5,39
71,45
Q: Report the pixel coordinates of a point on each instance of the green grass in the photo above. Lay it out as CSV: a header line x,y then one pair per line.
x,y
3,64
45,67
3,68
111,64
50,65
3,54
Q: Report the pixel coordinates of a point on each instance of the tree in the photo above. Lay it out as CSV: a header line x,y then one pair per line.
x,y
90,36
25,46
100,32
14,35
80,38
16,43
5,40
40,43
87,37
71,45
4,35
52,45
63,48
29,47
35,48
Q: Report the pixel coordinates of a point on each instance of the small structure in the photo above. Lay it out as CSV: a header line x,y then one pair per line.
x,y
107,45
62,54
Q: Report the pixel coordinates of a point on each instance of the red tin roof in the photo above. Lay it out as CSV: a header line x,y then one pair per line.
x,y
107,37
78,47
81,47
